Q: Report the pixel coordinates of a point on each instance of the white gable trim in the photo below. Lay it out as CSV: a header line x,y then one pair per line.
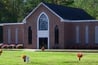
x,y
24,20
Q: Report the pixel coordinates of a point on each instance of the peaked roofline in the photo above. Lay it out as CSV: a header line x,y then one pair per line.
x,y
62,20
24,20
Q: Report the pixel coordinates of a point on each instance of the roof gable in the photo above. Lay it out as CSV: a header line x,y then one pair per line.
x,y
64,13
24,20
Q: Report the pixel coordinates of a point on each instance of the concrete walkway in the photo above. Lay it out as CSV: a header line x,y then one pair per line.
x,y
65,50
57,50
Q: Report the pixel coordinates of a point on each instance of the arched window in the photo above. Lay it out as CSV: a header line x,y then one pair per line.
x,y
56,35
29,35
43,22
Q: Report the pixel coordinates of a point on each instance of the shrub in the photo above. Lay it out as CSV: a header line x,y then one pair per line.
x,y
5,46
19,46
1,45
12,46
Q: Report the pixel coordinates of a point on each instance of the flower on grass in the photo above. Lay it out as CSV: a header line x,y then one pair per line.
x,y
24,58
79,55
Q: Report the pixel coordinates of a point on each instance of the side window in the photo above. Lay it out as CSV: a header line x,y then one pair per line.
x,y
56,34
29,35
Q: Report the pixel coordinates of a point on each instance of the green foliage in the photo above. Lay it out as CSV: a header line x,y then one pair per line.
x,y
16,10
91,6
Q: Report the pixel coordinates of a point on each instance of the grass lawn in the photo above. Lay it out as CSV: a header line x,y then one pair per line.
x,y
47,58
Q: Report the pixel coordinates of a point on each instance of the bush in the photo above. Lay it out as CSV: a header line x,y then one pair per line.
x,y
5,46
12,46
1,45
19,46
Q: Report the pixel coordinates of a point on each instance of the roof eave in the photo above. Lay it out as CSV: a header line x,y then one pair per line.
x,y
2,24
80,21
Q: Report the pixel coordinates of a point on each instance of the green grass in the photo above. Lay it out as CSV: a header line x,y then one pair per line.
x,y
47,58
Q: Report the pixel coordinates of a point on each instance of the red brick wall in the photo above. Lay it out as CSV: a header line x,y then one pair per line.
x,y
12,29
70,35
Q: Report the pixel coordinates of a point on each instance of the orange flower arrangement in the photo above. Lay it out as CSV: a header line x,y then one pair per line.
x,y
79,55
24,58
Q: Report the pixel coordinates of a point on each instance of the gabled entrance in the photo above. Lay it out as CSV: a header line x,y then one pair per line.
x,y
43,31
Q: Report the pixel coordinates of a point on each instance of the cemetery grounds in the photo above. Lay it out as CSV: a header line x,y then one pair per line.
x,y
14,57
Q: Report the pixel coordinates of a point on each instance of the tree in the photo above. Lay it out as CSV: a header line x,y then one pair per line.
x,y
88,5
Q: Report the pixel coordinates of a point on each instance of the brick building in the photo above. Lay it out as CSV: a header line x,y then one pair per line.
x,y
53,26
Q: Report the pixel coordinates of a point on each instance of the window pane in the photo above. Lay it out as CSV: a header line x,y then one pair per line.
x,y
43,22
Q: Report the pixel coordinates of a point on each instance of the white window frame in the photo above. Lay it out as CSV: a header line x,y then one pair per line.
x,y
77,34
86,34
96,34
9,35
16,35
43,20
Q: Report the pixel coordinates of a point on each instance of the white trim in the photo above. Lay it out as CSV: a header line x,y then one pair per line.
x,y
2,24
77,34
86,34
80,21
24,20
42,33
96,34
46,7
9,35
16,36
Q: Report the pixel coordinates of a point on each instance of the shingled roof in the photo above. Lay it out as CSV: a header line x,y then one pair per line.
x,y
69,13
